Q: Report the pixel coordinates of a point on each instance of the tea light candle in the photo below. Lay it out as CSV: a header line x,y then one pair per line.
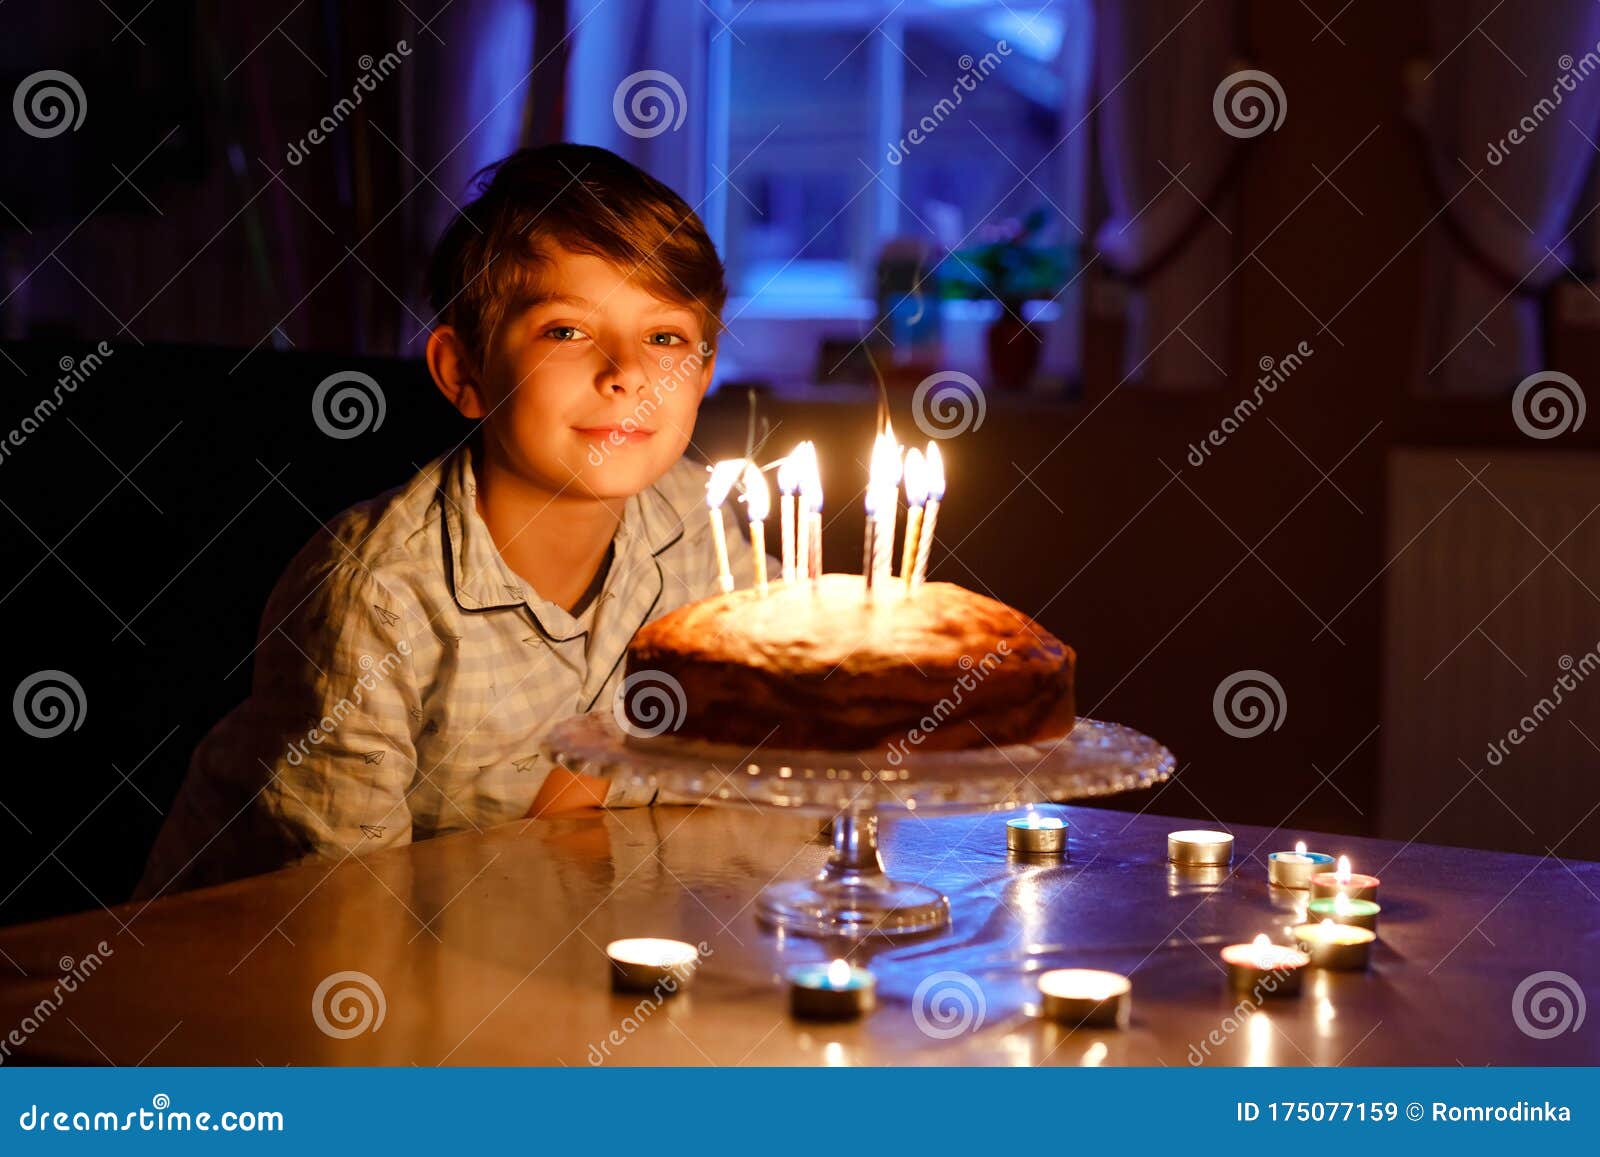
x,y
1337,946
1341,909
1200,848
1037,835
1085,996
834,991
647,964
1276,969
1326,885
1295,869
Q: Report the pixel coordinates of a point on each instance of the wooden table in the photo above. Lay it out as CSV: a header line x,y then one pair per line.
x,y
487,949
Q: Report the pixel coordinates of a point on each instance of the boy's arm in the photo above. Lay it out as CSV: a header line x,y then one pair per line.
x,y
336,692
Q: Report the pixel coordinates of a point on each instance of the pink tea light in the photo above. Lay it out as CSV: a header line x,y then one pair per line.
x,y
1326,885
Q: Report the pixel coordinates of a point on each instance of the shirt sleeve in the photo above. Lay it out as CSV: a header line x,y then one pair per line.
x,y
318,763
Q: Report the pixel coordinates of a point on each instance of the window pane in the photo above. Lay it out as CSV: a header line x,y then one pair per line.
x,y
798,126
985,119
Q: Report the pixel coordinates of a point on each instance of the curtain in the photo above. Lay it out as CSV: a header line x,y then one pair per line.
x,y
1163,153
1501,240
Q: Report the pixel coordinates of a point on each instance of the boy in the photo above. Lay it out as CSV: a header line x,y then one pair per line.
x,y
416,650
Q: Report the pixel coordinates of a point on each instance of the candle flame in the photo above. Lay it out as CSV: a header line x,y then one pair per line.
x,y
885,470
723,475
1341,903
1261,941
1299,847
810,477
935,471
1327,925
756,497
789,471
839,973
916,477
1341,874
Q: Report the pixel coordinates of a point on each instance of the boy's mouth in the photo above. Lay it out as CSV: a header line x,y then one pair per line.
x,y
614,434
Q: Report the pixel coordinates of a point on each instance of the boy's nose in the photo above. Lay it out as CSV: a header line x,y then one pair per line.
x,y
622,375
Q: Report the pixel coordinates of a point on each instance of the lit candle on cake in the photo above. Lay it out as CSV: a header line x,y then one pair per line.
x,y
916,480
723,475
933,472
883,502
811,515
757,505
788,485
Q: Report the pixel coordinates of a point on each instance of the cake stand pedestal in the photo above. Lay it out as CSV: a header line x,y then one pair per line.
x,y
853,896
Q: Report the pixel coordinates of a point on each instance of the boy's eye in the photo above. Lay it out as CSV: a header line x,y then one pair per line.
x,y
667,339
563,333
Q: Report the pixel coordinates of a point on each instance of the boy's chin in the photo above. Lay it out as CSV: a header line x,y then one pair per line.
x,y
617,478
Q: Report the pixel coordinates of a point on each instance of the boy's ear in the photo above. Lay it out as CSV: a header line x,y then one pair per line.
x,y
454,372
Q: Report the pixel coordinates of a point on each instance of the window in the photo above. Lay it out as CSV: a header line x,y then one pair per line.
x,y
839,129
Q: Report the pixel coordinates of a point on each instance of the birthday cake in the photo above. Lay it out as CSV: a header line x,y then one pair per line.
x,y
815,665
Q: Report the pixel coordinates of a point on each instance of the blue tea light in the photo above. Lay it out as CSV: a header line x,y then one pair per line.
x,y
1295,869
1037,835
836,991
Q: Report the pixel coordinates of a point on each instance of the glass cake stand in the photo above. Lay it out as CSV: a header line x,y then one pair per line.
x,y
853,896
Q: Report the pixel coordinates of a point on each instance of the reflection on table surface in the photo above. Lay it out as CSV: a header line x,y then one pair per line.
x,y
488,949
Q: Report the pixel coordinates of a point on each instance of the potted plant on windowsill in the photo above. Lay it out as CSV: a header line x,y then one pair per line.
x,y
1013,265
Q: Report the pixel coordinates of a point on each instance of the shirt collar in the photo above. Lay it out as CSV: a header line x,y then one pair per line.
x,y
481,579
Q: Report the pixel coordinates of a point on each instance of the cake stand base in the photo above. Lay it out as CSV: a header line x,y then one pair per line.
x,y
852,896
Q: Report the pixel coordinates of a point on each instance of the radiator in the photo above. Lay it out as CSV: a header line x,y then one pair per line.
x,y
1491,702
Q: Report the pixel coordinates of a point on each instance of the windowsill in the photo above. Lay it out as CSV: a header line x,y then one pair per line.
x,y
776,307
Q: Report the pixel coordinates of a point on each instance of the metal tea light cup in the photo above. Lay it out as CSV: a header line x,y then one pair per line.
x,y
1200,849
1086,997
1034,835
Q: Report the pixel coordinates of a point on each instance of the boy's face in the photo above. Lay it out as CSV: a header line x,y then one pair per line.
x,y
593,389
